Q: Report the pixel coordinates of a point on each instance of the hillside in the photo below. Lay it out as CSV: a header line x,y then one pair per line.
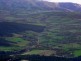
x,y
37,5
34,27
41,33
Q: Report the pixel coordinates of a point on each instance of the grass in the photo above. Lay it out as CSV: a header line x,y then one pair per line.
x,y
40,52
15,39
71,45
14,48
19,41
34,52
77,53
18,45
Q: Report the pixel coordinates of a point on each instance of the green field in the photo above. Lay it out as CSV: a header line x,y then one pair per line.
x,y
40,52
77,53
18,44
18,41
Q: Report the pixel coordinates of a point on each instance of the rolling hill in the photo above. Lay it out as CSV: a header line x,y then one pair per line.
x,y
42,32
39,27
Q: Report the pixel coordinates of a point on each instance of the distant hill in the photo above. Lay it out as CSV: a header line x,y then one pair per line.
x,y
20,5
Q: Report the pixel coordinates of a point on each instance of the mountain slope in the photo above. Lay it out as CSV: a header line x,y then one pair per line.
x,y
58,31
49,33
37,5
